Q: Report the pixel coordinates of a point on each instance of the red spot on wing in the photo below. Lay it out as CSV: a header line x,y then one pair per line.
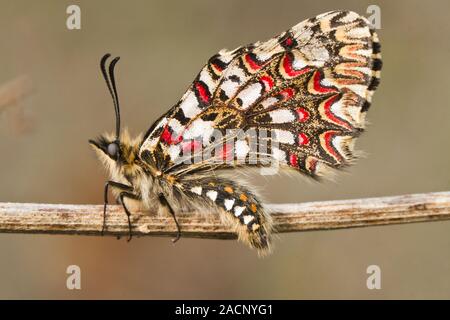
x,y
302,114
252,63
202,92
217,67
330,115
168,138
289,68
267,82
287,93
319,87
303,139
293,160
328,137
289,42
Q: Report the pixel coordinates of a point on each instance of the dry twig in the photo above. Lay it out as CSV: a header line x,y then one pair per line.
x,y
87,219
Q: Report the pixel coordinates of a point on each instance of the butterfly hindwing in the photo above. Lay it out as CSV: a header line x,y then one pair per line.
x,y
308,89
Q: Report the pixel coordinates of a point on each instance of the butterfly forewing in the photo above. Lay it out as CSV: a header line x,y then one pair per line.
x,y
303,94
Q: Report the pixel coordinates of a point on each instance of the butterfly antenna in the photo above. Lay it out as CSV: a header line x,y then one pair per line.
x,y
111,84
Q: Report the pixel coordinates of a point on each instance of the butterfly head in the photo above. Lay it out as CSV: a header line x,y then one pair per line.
x,y
108,147
114,150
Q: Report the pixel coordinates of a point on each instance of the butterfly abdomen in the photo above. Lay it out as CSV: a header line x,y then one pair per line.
x,y
239,208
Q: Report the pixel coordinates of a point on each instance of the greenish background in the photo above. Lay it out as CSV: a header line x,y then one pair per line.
x,y
163,45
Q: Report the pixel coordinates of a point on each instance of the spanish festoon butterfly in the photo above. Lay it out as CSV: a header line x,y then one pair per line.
x,y
303,95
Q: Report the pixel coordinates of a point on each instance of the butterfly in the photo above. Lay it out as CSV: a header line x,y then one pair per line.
x,y
297,100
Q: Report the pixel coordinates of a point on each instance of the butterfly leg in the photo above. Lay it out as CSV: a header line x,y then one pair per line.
x,y
165,203
129,195
113,184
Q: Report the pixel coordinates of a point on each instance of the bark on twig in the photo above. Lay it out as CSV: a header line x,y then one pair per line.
x,y
88,219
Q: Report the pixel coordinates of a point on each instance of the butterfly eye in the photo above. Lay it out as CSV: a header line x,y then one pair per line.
x,y
113,149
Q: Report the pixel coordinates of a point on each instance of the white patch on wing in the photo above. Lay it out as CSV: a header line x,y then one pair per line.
x,y
229,204
229,87
206,78
320,54
269,102
250,94
327,82
316,56
349,113
284,136
356,115
212,195
364,52
263,56
301,33
267,49
174,151
197,190
299,62
357,33
198,128
238,210
176,126
339,142
282,116
360,90
278,154
225,55
190,105
364,70
236,71
338,109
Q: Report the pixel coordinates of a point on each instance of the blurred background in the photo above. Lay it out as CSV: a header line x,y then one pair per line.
x,y
45,157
